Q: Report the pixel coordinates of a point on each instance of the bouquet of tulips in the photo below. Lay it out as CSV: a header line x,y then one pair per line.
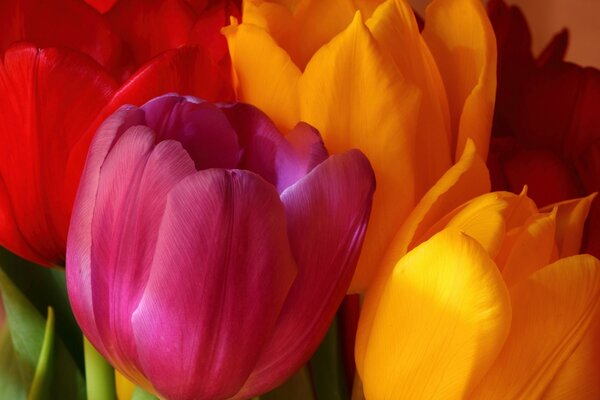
x,y
295,199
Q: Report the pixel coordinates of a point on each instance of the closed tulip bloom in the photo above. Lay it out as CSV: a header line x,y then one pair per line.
x,y
207,253
483,298
64,68
365,76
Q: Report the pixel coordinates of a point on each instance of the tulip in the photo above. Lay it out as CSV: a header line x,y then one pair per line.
x,y
366,78
546,124
483,298
54,100
207,253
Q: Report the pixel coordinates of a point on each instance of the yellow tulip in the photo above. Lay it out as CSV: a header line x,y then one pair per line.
x,y
366,78
483,298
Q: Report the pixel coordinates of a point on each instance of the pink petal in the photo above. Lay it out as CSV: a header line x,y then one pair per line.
x,y
201,127
221,271
79,245
281,161
327,213
127,207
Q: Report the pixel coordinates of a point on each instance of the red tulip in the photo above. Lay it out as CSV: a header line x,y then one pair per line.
x,y
207,252
55,97
546,131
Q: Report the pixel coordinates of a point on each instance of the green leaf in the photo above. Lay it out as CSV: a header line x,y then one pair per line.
x,y
327,368
42,380
11,384
46,287
298,387
27,332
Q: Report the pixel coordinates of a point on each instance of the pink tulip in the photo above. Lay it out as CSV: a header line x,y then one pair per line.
x,y
207,253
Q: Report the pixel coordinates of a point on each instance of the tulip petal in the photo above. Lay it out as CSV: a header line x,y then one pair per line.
x,y
463,44
101,5
515,62
206,32
150,27
327,213
520,209
355,96
528,248
79,246
563,98
201,127
552,311
556,50
466,179
441,322
265,75
186,70
550,177
481,218
281,161
394,27
578,376
61,23
38,127
570,220
131,199
212,285
301,29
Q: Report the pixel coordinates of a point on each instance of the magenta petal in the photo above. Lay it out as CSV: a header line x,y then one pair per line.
x,y
126,210
201,127
221,272
327,213
79,246
281,161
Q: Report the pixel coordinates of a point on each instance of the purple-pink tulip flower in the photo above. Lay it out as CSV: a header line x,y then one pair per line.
x,y
207,253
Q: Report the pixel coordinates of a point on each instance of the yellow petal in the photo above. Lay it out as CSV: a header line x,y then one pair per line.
x,y
441,322
303,27
481,218
570,220
528,249
520,208
125,387
578,377
463,44
466,179
265,75
552,311
357,99
394,27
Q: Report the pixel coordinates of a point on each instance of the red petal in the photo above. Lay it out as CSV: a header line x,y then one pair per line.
x,y
560,110
49,99
207,30
150,27
187,71
550,178
101,5
515,61
61,23
556,50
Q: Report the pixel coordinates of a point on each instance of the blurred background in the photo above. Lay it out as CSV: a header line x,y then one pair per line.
x,y
547,17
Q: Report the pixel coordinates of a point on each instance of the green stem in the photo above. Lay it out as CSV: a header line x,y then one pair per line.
x,y
99,375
